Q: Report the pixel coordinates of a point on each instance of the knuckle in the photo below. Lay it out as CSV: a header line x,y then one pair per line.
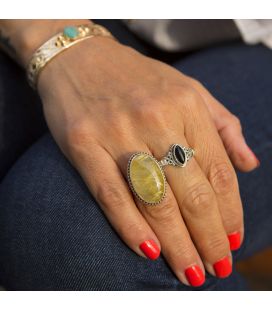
x,y
191,100
189,94
78,134
141,97
149,109
236,121
222,178
198,199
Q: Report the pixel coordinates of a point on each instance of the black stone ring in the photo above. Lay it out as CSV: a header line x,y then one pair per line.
x,y
178,155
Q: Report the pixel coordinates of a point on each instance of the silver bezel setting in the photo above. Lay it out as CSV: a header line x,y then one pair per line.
x,y
170,158
131,185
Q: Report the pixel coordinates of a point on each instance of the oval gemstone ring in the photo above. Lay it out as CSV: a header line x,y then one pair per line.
x,y
145,173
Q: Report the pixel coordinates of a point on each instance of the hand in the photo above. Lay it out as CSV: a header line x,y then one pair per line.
x,y
104,101
230,130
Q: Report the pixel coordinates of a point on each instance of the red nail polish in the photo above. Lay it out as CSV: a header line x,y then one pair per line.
x,y
150,249
234,241
223,268
195,275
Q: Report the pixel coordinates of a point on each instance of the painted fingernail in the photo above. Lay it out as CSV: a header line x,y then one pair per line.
x,y
223,267
195,275
234,241
150,249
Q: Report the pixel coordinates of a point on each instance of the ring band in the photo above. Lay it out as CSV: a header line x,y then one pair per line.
x,y
145,173
178,155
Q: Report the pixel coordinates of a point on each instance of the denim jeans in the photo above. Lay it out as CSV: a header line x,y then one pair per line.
x,y
53,235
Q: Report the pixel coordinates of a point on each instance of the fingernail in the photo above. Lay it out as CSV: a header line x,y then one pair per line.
x,y
195,275
234,241
256,159
223,267
150,249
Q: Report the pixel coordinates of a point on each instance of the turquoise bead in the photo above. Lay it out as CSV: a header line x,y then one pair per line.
x,y
70,32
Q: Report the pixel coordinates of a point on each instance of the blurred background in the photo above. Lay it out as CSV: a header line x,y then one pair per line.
x,y
258,270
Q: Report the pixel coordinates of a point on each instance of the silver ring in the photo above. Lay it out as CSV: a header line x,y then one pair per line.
x,y
145,173
178,155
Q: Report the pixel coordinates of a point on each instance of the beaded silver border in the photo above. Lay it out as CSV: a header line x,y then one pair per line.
x,y
170,158
131,185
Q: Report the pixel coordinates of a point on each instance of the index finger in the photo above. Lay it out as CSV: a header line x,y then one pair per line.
x,y
106,183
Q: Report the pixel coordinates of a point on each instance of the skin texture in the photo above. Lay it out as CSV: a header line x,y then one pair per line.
x,y
104,101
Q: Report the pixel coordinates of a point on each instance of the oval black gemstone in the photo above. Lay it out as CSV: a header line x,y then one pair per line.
x,y
179,154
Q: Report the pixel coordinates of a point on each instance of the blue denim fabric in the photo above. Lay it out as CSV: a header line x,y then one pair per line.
x,y
21,121
53,235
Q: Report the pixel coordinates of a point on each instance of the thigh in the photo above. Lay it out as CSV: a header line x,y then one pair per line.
x,y
21,119
240,77
54,236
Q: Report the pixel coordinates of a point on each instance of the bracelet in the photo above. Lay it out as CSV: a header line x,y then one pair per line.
x,y
70,36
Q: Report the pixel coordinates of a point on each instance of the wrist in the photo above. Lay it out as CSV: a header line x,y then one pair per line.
x,y
33,33
59,43
92,53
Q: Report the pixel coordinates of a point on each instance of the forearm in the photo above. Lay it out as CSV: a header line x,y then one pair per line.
x,y
20,38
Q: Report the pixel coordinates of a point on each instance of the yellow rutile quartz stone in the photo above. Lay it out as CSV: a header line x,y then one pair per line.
x,y
147,178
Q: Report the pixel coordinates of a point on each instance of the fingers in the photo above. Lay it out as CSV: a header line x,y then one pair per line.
x,y
147,231
199,209
106,183
166,221
177,246
215,164
230,131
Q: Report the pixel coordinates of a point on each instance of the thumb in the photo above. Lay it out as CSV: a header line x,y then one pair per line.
x,y
230,130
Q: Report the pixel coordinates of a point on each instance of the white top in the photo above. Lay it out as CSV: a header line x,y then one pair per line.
x,y
255,31
181,35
